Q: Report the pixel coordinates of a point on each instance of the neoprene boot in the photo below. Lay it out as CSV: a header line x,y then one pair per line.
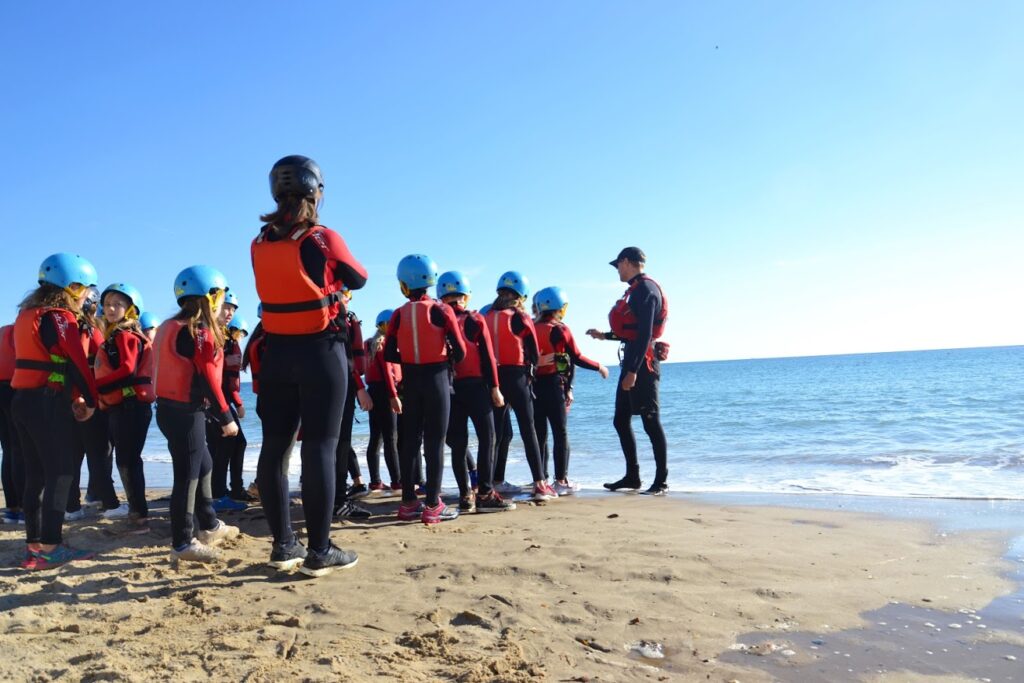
x,y
630,481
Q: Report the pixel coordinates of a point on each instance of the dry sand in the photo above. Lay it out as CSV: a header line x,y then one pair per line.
x,y
549,592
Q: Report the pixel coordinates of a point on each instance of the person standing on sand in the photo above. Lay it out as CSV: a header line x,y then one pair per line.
x,y
638,320
301,268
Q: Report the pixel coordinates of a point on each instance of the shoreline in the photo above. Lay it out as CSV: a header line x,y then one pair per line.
x,y
524,595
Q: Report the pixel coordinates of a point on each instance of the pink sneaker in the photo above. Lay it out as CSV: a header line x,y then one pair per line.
x,y
543,491
439,513
410,512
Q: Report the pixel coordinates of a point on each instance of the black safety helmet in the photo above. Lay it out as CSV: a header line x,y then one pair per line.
x,y
295,175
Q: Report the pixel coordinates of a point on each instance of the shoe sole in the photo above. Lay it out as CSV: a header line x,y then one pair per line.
x,y
323,571
502,509
287,565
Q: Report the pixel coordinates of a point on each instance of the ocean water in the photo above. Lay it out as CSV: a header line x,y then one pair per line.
x,y
935,424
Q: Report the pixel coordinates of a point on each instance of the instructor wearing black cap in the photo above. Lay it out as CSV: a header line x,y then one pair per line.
x,y
637,320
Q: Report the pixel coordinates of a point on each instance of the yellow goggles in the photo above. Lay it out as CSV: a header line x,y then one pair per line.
x,y
76,289
216,299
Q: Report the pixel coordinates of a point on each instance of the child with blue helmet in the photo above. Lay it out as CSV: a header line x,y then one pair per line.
x,y
228,452
382,380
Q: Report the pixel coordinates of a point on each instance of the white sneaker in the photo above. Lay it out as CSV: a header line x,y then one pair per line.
x,y
569,488
120,512
74,516
508,488
216,536
194,552
92,504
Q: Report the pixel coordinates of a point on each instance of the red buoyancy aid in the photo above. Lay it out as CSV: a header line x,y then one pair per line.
x,y
292,302
622,320
174,372
471,365
420,342
232,359
255,360
6,353
508,347
139,384
373,372
34,365
544,330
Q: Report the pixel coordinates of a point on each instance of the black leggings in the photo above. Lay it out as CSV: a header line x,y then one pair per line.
x,y
191,497
549,408
503,441
301,379
515,387
92,443
13,467
344,456
641,400
45,425
426,401
383,429
228,454
129,426
472,401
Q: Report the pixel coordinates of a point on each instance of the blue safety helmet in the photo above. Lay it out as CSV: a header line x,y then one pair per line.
x,y
238,323
452,282
259,310
515,281
198,281
417,271
148,321
551,299
65,269
127,290
485,309
384,316
231,299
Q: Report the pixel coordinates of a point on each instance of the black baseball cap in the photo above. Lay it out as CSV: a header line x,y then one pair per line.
x,y
634,254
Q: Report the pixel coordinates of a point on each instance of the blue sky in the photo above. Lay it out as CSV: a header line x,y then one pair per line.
x,y
806,178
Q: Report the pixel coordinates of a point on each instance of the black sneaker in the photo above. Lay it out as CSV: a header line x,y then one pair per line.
x,y
242,496
627,482
656,490
350,510
467,503
287,558
493,502
357,490
319,564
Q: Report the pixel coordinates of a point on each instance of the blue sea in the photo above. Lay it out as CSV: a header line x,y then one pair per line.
x,y
933,424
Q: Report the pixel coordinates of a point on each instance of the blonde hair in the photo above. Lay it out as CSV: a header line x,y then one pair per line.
x,y
291,211
196,310
50,296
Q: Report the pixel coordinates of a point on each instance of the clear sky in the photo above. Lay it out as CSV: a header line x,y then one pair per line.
x,y
805,177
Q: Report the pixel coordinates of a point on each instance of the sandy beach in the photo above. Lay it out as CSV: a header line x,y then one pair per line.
x,y
559,592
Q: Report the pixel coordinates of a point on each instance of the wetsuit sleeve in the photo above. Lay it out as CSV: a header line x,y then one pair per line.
x,y
358,352
205,360
444,316
346,269
128,351
644,302
482,337
391,353
573,350
67,342
523,328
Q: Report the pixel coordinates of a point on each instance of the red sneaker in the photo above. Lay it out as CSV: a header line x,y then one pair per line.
x,y
439,513
410,512
377,486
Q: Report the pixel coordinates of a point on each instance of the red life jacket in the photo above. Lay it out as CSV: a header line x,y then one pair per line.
x,y
255,359
546,346
508,348
420,342
139,384
174,372
6,353
622,320
34,365
471,365
92,340
232,359
373,373
292,302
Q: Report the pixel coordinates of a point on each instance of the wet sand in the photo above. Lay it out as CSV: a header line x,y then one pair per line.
x,y
559,592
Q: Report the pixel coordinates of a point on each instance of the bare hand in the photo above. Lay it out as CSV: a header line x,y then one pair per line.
x,y
628,380
603,371
396,405
241,412
496,398
365,402
596,334
230,429
546,359
82,412
569,399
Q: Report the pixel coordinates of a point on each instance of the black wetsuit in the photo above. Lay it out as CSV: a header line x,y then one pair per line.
x,y
13,468
645,302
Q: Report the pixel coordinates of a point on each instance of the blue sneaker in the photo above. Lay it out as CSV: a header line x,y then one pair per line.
x,y
474,478
11,517
62,554
225,504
